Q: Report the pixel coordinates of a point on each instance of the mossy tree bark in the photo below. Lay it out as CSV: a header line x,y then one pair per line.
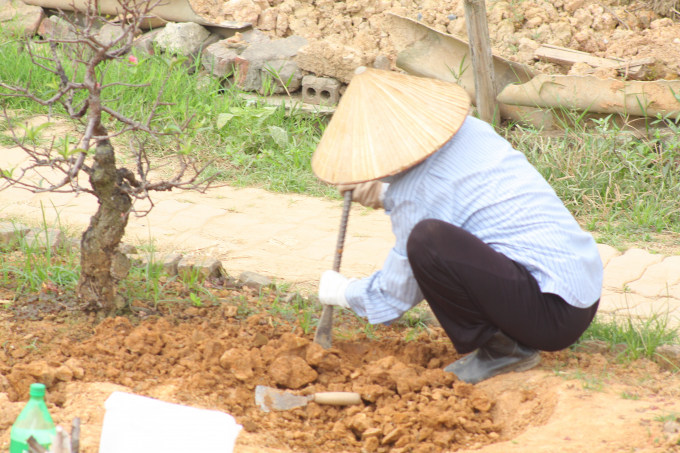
x,y
96,286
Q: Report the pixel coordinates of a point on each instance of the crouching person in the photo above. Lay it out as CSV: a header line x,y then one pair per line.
x,y
480,234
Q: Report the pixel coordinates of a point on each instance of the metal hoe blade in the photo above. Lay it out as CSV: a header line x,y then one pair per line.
x,y
324,331
270,399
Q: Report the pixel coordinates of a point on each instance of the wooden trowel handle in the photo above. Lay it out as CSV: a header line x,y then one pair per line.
x,y
337,398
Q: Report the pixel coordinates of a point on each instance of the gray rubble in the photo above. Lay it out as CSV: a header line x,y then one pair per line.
x,y
182,39
254,280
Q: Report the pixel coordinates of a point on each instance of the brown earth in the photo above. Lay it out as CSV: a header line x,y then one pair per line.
x,y
212,357
354,28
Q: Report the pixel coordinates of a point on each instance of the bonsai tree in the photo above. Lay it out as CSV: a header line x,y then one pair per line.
x,y
79,59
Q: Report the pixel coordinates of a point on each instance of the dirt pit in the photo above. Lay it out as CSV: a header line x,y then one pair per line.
x,y
355,29
212,358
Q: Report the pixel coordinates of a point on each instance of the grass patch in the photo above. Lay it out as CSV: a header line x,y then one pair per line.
x,y
641,336
622,187
251,143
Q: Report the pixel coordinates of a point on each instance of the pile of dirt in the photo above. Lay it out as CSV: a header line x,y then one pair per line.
x,y
353,29
213,358
203,358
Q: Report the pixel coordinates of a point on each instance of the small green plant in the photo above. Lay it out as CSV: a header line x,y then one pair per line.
x,y
458,75
274,79
667,417
630,396
195,300
641,336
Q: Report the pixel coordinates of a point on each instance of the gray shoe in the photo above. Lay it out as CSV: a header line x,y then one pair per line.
x,y
501,354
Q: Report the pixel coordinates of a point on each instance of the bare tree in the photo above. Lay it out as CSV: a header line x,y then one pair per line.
x,y
79,60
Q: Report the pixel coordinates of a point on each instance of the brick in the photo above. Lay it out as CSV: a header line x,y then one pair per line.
x,y
273,59
628,267
320,90
21,19
219,59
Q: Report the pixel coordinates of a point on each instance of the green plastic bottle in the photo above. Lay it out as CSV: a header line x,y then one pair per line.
x,y
34,420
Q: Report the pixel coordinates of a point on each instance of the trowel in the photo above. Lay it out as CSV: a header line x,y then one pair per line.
x,y
324,331
271,399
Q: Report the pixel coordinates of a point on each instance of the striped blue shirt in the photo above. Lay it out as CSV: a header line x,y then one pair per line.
x,y
479,183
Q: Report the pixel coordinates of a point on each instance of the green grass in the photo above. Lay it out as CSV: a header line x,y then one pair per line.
x,y
624,189
251,143
641,336
621,186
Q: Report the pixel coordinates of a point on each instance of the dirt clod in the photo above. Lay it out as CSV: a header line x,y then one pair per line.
x,y
239,362
292,372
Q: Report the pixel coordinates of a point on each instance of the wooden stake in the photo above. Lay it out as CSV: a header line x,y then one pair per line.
x,y
482,60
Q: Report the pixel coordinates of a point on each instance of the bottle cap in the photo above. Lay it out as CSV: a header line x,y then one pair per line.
x,y
37,390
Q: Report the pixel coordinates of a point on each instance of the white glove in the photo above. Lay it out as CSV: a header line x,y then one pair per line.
x,y
370,194
332,289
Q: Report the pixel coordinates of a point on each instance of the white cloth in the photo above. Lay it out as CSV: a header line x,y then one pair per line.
x,y
478,182
332,289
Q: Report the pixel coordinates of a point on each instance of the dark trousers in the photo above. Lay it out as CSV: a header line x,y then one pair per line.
x,y
474,291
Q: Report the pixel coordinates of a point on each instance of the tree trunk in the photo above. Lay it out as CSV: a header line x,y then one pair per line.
x,y
96,286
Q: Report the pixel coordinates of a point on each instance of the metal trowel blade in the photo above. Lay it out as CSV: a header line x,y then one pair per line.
x,y
270,399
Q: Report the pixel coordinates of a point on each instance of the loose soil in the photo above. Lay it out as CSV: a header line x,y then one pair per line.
x,y
354,28
214,356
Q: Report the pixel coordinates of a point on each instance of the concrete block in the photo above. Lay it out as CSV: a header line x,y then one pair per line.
x,y
283,74
21,19
254,280
273,60
255,36
181,39
199,267
320,90
274,50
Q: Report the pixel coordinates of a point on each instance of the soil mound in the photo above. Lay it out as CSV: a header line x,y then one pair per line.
x,y
409,402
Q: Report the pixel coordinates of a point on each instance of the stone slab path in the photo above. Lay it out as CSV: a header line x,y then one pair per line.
x,y
292,238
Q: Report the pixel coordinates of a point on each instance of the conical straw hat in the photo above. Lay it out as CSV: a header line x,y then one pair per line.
x,y
385,123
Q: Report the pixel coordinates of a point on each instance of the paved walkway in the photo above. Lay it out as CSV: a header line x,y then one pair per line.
x,y
292,238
